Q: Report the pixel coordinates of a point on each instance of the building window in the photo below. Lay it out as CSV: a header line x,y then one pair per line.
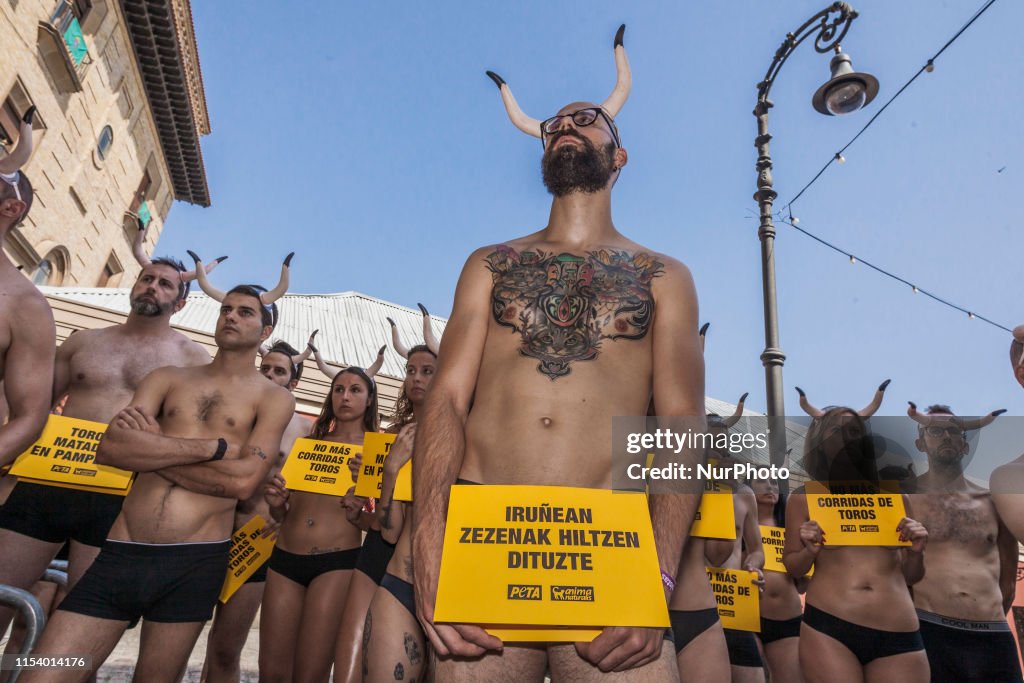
x,y
11,109
112,272
104,142
51,270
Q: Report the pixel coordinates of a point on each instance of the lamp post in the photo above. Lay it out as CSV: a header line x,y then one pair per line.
x,y
846,91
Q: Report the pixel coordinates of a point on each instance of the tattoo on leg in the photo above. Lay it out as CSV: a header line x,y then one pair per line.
x,y
412,649
399,671
367,629
564,306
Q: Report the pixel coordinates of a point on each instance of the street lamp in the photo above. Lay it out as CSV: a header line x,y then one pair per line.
x,y
846,91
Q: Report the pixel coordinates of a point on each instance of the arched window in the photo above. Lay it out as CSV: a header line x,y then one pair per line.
x,y
104,142
51,270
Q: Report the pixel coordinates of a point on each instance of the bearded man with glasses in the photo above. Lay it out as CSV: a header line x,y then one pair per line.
x,y
551,335
971,563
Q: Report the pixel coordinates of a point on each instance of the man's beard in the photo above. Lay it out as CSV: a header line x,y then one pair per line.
x,y
571,168
150,309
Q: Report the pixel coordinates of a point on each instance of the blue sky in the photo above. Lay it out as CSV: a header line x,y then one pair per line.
x,y
366,137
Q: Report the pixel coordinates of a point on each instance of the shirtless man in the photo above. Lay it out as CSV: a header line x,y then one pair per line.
x,y
970,567
744,657
98,371
27,333
232,620
1007,482
540,376
200,439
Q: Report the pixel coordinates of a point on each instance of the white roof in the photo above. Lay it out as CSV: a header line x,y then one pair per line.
x,y
353,326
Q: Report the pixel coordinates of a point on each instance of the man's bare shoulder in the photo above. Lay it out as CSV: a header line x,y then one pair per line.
x,y
191,352
276,397
1008,478
29,307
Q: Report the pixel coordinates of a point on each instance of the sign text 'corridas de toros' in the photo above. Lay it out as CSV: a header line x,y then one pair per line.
x,y
320,466
549,563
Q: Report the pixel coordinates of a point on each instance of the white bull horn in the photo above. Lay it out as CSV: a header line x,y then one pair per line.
x,y
377,364
527,124
204,283
806,405
428,332
396,341
16,158
190,275
623,77
876,402
737,414
282,284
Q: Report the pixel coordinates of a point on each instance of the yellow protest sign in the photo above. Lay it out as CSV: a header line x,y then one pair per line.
x,y
737,597
716,517
249,550
375,449
773,538
65,454
320,467
403,484
547,558
856,515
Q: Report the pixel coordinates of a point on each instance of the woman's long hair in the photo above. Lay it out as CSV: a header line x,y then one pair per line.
x,y
403,406
325,421
859,454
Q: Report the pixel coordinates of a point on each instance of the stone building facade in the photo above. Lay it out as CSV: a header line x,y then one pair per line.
x,y
120,111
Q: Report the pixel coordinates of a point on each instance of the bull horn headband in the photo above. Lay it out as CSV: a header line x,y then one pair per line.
x,y
730,421
429,339
703,334
865,412
11,164
266,298
966,425
143,260
371,371
297,359
612,105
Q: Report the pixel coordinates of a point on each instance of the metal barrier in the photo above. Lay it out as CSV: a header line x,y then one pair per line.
x,y
31,612
61,565
56,576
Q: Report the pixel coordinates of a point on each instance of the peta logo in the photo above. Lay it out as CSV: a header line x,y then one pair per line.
x,y
523,592
572,594
847,527
310,477
869,528
64,469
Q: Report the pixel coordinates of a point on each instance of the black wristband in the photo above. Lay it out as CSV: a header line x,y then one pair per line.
x,y
222,448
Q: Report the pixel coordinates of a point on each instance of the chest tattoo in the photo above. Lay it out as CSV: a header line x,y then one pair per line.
x,y
563,305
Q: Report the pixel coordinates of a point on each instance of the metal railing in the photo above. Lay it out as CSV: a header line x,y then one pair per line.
x,y
30,611
65,21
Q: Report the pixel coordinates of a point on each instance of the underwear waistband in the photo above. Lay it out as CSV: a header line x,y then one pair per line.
x,y
170,550
964,624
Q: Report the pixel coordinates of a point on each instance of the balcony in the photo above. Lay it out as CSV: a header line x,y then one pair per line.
x,y
63,47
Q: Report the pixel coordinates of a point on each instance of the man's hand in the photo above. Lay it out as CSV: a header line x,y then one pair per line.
x,y
401,450
461,640
619,648
137,419
812,536
913,531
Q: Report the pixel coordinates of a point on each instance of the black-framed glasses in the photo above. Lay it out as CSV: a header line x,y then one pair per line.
x,y
582,118
937,432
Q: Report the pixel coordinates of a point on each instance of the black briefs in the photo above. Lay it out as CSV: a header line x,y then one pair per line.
x,y
302,569
375,555
742,648
688,624
969,651
55,514
777,629
260,575
169,583
402,590
866,644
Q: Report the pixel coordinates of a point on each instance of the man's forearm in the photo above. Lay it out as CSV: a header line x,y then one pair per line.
x,y
139,451
17,435
221,478
440,447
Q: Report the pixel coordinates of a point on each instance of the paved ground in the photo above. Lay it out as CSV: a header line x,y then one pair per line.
x,y
121,663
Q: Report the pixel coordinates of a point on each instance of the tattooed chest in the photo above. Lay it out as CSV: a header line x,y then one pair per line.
x,y
564,306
